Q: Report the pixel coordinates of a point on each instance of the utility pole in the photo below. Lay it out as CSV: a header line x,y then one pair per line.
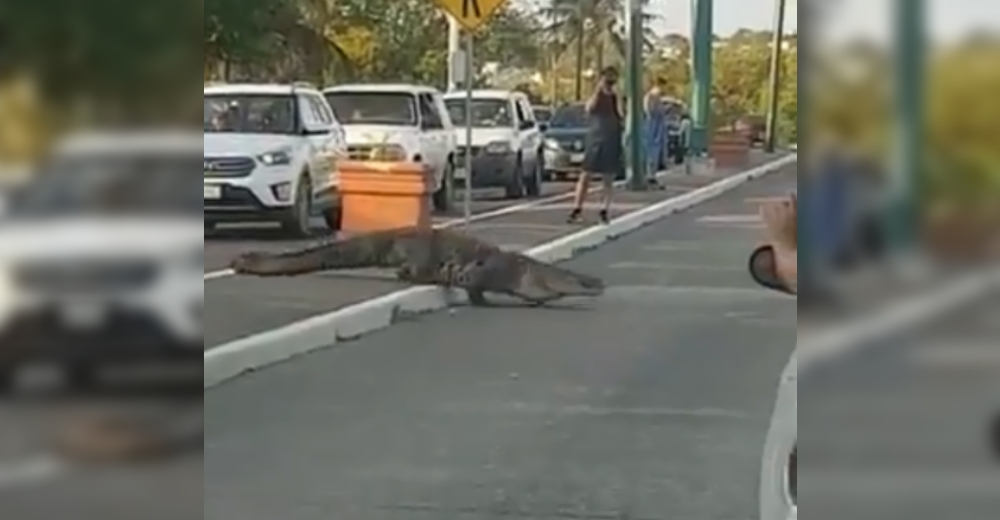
x,y
777,42
454,52
910,38
701,66
637,164
579,51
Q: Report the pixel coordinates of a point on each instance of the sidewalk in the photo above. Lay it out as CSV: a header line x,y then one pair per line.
x,y
239,306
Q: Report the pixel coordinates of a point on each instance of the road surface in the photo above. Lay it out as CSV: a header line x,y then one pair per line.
x,y
898,429
651,402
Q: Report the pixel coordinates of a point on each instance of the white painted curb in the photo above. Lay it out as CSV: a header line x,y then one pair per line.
x,y
243,355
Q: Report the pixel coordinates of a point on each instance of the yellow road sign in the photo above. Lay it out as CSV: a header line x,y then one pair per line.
x,y
471,14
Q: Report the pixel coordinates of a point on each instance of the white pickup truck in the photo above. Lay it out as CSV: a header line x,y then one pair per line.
x,y
507,143
406,122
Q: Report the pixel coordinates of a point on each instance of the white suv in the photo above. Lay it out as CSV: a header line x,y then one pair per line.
x,y
102,258
507,143
270,155
399,122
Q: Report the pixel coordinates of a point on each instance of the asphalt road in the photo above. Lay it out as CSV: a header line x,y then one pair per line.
x,y
651,402
898,429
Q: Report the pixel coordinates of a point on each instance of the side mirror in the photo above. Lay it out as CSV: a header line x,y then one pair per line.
x,y
543,127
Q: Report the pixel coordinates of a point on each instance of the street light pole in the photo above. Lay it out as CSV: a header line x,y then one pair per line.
x,y
777,42
910,41
637,164
701,65
454,51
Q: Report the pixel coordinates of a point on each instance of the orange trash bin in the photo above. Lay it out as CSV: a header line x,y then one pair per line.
x,y
730,149
378,195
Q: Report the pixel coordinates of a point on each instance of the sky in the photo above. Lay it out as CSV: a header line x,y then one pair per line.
x,y
843,19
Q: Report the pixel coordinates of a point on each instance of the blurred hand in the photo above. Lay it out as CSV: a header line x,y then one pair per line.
x,y
781,225
781,222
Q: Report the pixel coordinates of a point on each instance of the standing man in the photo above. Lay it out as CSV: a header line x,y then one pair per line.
x,y
604,154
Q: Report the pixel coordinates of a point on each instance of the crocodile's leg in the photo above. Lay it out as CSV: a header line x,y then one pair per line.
x,y
474,278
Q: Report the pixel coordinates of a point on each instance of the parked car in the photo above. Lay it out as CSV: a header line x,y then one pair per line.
x,y
102,259
543,114
506,141
270,153
403,122
565,138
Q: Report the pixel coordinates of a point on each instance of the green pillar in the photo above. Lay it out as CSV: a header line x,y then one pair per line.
x,y
701,68
902,219
636,161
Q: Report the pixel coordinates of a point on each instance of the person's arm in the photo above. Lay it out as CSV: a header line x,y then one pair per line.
x,y
594,97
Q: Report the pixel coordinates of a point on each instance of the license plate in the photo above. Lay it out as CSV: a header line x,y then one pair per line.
x,y
213,192
577,157
460,173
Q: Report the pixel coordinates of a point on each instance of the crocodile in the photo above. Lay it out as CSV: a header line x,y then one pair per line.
x,y
431,257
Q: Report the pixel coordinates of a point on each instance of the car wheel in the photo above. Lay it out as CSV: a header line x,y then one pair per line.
x,y
297,221
515,186
442,197
534,186
333,217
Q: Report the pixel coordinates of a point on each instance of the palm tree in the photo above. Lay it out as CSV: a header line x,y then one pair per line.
x,y
595,24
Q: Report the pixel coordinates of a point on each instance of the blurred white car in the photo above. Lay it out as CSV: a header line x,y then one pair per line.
x,y
102,257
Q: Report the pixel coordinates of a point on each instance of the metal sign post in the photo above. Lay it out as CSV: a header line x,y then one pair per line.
x,y
467,192
471,15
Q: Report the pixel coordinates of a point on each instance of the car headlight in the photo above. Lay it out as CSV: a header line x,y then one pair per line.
x,y
276,158
552,144
498,147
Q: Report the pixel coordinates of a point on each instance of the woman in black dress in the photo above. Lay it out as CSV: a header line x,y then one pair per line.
x,y
604,155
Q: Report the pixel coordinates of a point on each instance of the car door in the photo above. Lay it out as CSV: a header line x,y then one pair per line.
x,y
335,146
528,134
317,136
432,134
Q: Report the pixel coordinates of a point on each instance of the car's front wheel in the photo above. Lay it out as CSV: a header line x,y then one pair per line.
x,y
296,222
515,186
442,196
533,185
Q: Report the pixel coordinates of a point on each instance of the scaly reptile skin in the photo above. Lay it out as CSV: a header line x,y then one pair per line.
x,y
431,257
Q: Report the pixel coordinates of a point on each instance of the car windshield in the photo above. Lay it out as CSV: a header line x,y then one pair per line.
x,y
250,114
374,108
118,184
486,113
542,114
569,116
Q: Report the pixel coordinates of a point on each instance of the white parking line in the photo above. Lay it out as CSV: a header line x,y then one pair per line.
x,y
499,212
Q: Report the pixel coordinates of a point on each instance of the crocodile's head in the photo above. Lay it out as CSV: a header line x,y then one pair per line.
x,y
562,281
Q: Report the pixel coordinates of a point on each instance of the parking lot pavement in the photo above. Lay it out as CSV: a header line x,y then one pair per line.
x,y
240,306
650,402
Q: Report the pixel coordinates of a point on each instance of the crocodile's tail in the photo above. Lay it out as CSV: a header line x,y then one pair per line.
x,y
369,250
